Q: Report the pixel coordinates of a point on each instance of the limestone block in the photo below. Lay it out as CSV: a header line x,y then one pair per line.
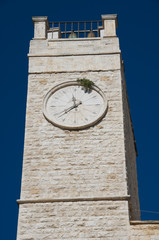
x,y
65,47
74,63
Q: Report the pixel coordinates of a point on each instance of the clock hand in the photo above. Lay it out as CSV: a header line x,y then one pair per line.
x,y
70,108
77,104
67,110
73,99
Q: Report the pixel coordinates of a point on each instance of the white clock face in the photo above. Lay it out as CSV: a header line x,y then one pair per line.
x,y
70,106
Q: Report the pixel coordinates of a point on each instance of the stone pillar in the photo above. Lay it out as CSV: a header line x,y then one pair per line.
x,y
40,27
109,25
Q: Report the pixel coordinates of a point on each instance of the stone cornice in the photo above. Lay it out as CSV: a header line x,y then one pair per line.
x,y
67,55
143,222
109,17
40,19
82,199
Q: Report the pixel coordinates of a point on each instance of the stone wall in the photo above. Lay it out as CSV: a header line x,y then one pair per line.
x,y
146,230
74,221
60,163
65,47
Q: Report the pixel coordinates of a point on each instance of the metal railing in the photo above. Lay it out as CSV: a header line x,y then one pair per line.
x,y
76,29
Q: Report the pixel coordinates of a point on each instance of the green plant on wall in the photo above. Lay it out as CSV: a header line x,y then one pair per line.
x,y
86,83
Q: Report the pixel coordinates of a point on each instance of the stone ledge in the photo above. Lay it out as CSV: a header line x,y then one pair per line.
x,y
78,39
59,55
109,16
38,39
115,198
52,72
143,222
40,19
74,39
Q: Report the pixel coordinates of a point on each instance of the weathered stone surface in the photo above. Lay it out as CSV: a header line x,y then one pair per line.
x,y
145,231
74,220
67,162
74,63
77,46
110,24
40,27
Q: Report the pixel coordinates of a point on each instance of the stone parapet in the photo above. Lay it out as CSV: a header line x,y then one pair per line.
x,y
42,30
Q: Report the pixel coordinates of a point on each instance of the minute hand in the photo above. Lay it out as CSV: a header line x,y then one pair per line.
x,y
70,108
74,106
66,111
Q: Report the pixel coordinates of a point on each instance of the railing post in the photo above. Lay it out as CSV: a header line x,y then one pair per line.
x,y
109,25
40,27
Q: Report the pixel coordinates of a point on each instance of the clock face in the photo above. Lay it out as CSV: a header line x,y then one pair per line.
x,y
70,106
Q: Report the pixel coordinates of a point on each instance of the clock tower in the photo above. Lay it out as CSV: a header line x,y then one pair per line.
x,y
79,177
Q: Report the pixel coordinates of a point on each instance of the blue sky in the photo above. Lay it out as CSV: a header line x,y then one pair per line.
x,y
139,41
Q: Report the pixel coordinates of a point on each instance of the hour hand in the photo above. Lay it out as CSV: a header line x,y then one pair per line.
x,y
73,99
